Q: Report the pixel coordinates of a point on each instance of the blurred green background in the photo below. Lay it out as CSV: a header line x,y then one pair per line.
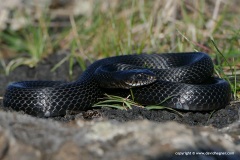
x,y
93,29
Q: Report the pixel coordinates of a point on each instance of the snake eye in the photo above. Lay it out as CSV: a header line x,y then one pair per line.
x,y
140,76
144,77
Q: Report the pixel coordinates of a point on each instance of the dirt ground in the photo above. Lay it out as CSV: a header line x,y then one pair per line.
x,y
220,118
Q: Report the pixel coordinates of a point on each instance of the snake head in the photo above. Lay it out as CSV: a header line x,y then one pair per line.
x,y
139,77
123,76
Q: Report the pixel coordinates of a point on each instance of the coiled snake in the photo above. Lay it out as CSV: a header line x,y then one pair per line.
x,y
179,80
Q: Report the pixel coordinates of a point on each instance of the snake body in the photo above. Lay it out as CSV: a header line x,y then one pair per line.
x,y
181,81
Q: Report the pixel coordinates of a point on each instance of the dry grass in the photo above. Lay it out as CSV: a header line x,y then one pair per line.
x,y
122,27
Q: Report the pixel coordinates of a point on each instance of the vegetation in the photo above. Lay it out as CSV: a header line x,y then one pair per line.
x,y
133,27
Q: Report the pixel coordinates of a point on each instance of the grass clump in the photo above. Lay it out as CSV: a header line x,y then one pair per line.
x,y
117,102
29,45
112,101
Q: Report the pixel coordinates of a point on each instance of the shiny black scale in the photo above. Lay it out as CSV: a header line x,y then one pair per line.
x,y
184,79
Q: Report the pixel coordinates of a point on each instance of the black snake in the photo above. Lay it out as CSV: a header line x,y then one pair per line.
x,y
178,80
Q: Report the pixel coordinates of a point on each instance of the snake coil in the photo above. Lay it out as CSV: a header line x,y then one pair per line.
x,y
178,80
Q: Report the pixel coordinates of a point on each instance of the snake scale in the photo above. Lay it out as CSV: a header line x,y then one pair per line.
x,y
182,81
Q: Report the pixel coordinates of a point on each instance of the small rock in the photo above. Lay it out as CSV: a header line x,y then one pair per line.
x,y
26,137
